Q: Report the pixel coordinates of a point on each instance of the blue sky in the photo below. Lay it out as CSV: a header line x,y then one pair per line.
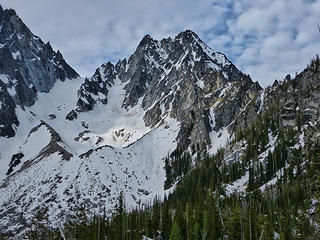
x,y
264,38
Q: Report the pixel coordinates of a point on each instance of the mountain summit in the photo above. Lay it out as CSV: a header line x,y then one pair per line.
x,y
180,78
27,66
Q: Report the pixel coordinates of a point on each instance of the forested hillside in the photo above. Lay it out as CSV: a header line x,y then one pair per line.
x,y
263,185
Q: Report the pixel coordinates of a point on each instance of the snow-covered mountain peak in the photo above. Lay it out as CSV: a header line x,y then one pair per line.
x,y
154,63
28,65
113,131
137,126
147,42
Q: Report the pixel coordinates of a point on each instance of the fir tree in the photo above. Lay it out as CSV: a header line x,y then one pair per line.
x,y
175,233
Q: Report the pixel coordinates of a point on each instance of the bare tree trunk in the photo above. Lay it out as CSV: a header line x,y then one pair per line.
x,y
61,232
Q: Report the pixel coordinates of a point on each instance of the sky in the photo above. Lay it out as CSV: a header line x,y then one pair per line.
x,y
264,38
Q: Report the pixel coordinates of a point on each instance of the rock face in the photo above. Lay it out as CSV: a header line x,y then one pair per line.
x,y
287,124
180,77
27,66
116,128
300,97
83,142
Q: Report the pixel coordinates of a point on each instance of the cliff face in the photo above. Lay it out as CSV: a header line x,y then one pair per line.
x,y
27,66
182,78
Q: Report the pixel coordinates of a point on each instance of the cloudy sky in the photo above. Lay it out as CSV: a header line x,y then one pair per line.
x,y
264,38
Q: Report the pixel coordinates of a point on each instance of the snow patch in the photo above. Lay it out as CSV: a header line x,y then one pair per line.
x,y
262,95
218,140
11,91
238,186
4,79
16,55
200,84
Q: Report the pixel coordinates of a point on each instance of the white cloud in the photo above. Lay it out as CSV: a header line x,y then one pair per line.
x,y
278,37
91,33
264,38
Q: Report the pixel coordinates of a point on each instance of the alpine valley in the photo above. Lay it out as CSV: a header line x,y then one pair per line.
x,y
174,129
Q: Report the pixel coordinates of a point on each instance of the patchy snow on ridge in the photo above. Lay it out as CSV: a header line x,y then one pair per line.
x,y
58,102
16,55
218,140
112,151
238,186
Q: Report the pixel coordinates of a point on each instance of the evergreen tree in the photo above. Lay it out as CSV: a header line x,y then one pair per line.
x,y
166,220
118,220
234,224
175,233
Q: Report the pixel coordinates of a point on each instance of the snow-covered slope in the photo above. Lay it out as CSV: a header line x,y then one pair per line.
x,y
62,165
27,66
86,140
83,141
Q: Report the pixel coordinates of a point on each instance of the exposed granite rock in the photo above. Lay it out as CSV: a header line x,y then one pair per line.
x,y
92,89
181,78
298,98
29,66
8,118
72,115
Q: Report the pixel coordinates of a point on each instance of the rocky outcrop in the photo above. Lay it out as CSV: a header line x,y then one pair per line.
x,y
95,89
53,146
8,117
298,97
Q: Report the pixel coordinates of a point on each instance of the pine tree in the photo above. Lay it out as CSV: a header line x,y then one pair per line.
x,y
118,220
175,233
155,217
212,227
265,228
166,220
234,224
190,221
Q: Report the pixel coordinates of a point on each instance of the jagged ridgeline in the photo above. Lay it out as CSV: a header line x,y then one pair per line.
x,y
27,66
263,185
79,155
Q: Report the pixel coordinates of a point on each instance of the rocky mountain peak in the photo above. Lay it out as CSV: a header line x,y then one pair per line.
x,y
182,78
169,97
28,50
8,12
187,35
27,66
139,126
146,40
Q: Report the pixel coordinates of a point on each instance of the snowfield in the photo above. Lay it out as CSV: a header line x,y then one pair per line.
x,y
128,156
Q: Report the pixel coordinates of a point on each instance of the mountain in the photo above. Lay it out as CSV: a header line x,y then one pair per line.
x,y
140,127
84,141
27,66
181,78
264,184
